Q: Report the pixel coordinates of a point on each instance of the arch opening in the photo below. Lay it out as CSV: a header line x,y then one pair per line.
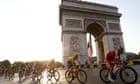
x,y
96,41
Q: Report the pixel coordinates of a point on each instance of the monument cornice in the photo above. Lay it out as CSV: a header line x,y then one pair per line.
x,y
90,3
113,33
70,8
72,31
108,33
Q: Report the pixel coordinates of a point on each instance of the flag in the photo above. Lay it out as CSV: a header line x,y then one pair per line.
x,y
89,48
89,51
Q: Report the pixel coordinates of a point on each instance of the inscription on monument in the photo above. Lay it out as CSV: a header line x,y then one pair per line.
x,y
73,23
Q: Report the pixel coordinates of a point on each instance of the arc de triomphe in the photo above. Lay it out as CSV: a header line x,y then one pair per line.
x,y
77,18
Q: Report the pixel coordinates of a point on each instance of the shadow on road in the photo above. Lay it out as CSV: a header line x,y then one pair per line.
x,y
52,82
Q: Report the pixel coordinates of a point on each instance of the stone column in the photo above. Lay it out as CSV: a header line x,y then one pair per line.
x,y
99,51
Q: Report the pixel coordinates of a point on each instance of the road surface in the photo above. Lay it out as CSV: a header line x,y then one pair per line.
x,y
92,74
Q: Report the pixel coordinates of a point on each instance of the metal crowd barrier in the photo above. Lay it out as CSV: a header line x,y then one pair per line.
x,y
91,66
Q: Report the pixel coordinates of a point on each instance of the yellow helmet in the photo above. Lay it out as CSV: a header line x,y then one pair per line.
x,y
76,56
120,49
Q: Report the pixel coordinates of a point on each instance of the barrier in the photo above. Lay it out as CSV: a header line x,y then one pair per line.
x,y
92,66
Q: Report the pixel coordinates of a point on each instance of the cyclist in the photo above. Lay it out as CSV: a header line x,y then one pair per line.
x,y
71,61
51,65
113,57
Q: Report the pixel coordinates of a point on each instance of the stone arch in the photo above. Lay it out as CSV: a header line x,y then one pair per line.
x,y
78,17
95,29
101,23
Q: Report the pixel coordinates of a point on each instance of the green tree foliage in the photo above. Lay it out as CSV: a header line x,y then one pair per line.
x,y
5,64
59,64
133,56
139,54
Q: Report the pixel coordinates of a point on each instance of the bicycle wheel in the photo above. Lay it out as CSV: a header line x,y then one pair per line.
x,y
128,75
82,76
49,75
69,75
56,75
104,75
33,77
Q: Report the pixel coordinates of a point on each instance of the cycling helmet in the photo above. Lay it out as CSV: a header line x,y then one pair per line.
x,y
120,49
76,56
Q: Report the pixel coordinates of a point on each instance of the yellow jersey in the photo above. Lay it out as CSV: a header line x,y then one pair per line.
x,y
73,58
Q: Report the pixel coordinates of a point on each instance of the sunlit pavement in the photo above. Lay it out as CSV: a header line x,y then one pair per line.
x,y
28,80
92,74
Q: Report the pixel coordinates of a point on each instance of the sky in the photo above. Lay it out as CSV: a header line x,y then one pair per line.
x,y
30,30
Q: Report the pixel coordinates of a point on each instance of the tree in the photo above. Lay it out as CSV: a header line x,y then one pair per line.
x,y
132,56
138,53
6,64
58,64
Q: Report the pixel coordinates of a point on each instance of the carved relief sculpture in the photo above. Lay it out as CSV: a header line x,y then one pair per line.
x,y
74,44
116,42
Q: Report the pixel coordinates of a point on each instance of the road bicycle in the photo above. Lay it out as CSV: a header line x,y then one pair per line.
x,y
53,73
36,76
11,76
127,74
78,73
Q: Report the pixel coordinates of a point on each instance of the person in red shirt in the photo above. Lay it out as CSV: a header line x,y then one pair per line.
x,y
113,57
